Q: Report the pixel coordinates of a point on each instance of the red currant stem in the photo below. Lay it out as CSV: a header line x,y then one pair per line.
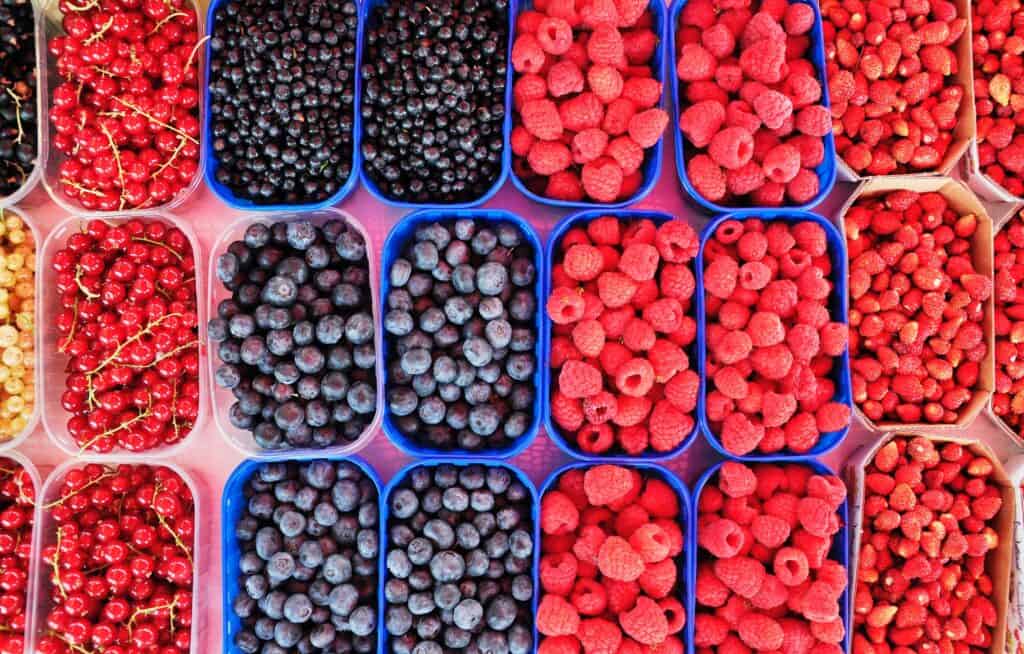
x,y
107,73
143,239
145,331
55,564
96,36
163,167
78,282
167,19
63,498
174,413
163,523
110,432
153,119
86,7
81,189
74,647
164,356
17,113
195,49
117,158
21,171
74,323
15,475
154,609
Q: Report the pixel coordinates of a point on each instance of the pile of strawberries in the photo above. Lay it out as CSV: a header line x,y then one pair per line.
x,y
895,101
17,506
586,98
1008,400
622,319
772,344
922,582
118,571
917,302
998,81
611,567
766,580
754,117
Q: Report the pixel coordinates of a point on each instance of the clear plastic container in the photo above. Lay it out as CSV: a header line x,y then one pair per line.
x,y
33,564
222,398
44,534
50,383
48,25
41,143
33,421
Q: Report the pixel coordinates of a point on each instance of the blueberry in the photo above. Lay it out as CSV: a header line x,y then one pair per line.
x,y
400,272
309,359
416,361
483,241
256,586
362,398
228,268
330,329
478,352
217,329
398,322
342,599
522,306
433,319
404,503
457,310
359,328
350,246
346,295
303,333
425,255
362,621
280,291
398,620
431,410
228,376
279,342
281,566
301,234
468,614
491,278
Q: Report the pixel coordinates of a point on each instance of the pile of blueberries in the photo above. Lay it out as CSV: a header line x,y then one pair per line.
x,y
433,105
18,133
310,546
461,332
459,561
282,98
296,337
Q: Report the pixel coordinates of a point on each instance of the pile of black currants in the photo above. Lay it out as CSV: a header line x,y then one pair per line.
x,y
296,337
18,131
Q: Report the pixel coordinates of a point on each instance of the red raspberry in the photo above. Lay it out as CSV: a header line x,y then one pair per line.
x,y
588,145
732,347
589,597
595,439
660,501
621,594
549,157
541,118
627,153
557,572
640,45
527,54
739,435
744,179
834,338
639,336
646,127
799,18
817,516
819,604
763,61
710,630
659,579
579,379
677,242
682,389
770,531
803,187
588,337
635,377
559,645
589,542
731,148
814,120
558,514
565,306
719,41
760,632
736,479
730,382
600,408
564,78
643,92
564,185
651,542
710,591
763,26
557,617
664,315
602,179
617,115
554,35
605,484
782,163
770,194
667,359
777,408
605,230
646,622
833,416
743,575
669,426
677,281
773,108
605,45
599,636
723,538
599,12
582,112
521,141
695,63
529,86
755,275
583,262
720,277
617,560
803,90
605,81
566,412
528,21
701,121
630,519
632,11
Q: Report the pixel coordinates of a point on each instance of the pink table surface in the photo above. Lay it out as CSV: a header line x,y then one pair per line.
x,y
210,459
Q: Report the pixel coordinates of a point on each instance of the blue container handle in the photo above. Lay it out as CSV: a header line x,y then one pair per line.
x,y
365,14
837,312
210,169
553,430
840,551
826,169
652,156
233,503
397,239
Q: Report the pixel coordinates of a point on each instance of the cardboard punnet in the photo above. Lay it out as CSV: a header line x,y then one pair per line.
x,y
963,133
999,563
962,200
982,184
1015,610
990,409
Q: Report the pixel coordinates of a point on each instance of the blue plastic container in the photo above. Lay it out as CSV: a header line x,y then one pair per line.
x,y
826,169
838,302
233,504
652,156
382,644
553,244
365,13
687,511
398,238
210,169
840,551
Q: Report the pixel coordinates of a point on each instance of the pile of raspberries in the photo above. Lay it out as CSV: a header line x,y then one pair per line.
x,y
1008,400
611,568
998,78
766,579
754,114
586,98
773,346
621,308
917,306
929,520
891,68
